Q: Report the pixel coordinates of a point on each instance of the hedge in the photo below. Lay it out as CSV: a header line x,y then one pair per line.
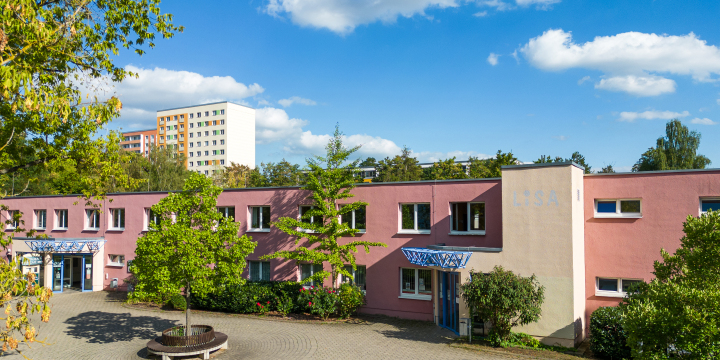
x,y
608,339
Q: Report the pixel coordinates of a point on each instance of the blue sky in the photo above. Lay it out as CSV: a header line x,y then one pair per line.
x,y
444,77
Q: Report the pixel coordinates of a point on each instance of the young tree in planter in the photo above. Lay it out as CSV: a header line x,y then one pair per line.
x,y
504,299
330,180
191,246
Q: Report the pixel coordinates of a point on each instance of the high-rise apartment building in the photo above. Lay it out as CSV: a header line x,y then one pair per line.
x,y
139,141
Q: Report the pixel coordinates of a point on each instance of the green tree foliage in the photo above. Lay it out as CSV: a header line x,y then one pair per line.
x,y
191,247
329,180
491,167
233,176
445,169
607,170
282,173
48,49
676,314
370,161
162,170
402,167
576,157
677,150
608,338
504,299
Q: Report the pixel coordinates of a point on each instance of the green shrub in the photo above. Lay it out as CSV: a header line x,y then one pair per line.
x,y
284,304
319,300
350,299
178,302
608,339
243,299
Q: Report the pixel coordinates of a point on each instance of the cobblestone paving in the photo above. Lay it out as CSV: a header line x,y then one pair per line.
x,y
93,326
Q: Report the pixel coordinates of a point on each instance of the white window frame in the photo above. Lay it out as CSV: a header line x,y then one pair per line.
x,y
112,219
352,271
38,217
468,232
146,219
352,221
713,199
618,213
312,219
59,217
88,220
312,272
417,295
261,267
250,215
115,260
13,224
616,294
415,219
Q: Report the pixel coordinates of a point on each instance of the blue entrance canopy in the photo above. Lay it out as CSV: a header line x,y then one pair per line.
x,y
439,258
66,245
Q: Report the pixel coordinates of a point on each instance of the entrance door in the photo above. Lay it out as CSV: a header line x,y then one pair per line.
x,y
57,274
87,273
450,299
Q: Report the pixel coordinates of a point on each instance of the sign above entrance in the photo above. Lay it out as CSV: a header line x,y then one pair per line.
x,y
439,258
66,245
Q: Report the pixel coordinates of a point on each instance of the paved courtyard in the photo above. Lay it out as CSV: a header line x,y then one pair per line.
x,y
93,326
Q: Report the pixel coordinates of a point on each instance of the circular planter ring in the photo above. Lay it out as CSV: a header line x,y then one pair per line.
x,y
199,335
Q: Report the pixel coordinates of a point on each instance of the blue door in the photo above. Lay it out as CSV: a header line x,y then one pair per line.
x,y
450,299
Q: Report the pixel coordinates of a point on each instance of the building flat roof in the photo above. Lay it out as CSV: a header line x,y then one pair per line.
x,y
213,103
135,131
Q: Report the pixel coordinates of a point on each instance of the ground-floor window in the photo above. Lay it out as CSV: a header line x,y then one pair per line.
x,y
416,283
358,276
614,287
308,270
259,270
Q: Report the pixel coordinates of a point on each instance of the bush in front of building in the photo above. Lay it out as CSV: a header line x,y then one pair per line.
x,y
178,302
319,301
608,339
350,299
243,299
505,300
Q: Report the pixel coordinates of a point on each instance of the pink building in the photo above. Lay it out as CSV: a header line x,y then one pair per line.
x,y
586,237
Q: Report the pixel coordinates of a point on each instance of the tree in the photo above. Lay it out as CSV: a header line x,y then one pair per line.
x,y
402,167
676,314
163,169
607,170
576,157
329,180
447,169
192,247
504,299
233,176
282,173
677,150
370,161
48,49
491,167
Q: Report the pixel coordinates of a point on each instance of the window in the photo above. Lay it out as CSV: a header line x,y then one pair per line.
x,y
206,172
222,142
207,133
199,123
40,219
191,134
199,114
175,117
191,124
182,127
609,208
214,121
199,153
226,211
709,204
92,218
222,132
61,219
191,116
260,218
222,122
207,153
467,218
191,163
13,224
151,218
222,112
118,219
116,260
416,284
312,220
308,270
259,270
612,287
207,143
207,113
214,142
355,219
222,162
182,116
415,218
358,276
222,152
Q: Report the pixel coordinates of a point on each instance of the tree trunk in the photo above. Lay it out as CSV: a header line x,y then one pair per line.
x,y
187,310
334,276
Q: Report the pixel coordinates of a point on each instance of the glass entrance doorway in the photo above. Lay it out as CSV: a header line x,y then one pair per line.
x,y
72,271
449,286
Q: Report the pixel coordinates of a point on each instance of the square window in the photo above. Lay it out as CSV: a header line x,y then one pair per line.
x,y
307,271
260,218
259,270
61,219
358,276
214,142
222,162
207,133
207,113
355,219
207,153
312,219
415,218
467,218
416,283
227,211
40,219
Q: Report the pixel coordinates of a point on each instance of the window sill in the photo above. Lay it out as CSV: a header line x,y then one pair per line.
x,y
415,297
60,229
467,233
307,231
113,264
618,216
91,229
612,294
416,232
259,230
40,229
116,229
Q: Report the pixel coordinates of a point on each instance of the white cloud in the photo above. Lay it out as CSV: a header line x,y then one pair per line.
x,y
704,121
480,14
493,59
560,137
500,5
718,101
584,79
296,100
273,124
630,116
631,60
536,2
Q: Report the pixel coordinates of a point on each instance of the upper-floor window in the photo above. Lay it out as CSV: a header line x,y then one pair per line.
x,y
207,133
260,218
222,112
151,218
214,142
11,222
227,211
222,122
118,219
222,142
222,162
355,219
415,218
467,218
613,287
358,276
709,204
40,219
182,116
259,270
207,113
191,116
222,132
175,117
92,219
416,283
199,114
61,219
608,208
307,271
214,122
303,209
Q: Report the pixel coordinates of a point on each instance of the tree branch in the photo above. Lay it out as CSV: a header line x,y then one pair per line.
x,y
27,165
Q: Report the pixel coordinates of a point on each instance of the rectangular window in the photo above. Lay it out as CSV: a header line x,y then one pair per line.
x,y
191,134
118,219
12,223
182,116
191,116
199,114
613,287
260,218
214,142
613,208
222,112
222,162
358,276
207,113
61,219
312,220
308,270
182,127
222,132
214,122
222,122
222,142
116,260
40,219
199,153
227,211
151,218
92,219
192,125
207,133
355,219
259,270
467,218
415,218
416,284
222,152
207,153
709,204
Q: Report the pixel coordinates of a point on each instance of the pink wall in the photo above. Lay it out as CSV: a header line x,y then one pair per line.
x,y
627,248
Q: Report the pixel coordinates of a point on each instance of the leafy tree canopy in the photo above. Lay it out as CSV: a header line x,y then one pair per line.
x,y
282,173
576,157
445,169
370,161
234,176
402,167
491,167
607,170
677,150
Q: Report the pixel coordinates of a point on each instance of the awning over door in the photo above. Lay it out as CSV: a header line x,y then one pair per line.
x,y
439,258
86,245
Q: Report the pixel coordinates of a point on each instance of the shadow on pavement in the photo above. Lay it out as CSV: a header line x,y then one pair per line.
x,y
413,330
102,328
